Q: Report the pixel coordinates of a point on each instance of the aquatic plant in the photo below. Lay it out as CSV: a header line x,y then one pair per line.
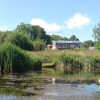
x,y
15,60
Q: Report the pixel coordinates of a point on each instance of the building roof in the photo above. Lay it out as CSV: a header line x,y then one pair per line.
x,y
61,41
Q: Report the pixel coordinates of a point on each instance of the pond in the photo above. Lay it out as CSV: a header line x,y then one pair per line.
x,y
45,89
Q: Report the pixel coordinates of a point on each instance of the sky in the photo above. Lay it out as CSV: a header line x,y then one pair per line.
x,y
59,17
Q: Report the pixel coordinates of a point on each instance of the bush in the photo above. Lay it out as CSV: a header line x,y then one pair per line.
x,y
97,45
91,64
2,37
21,40
38,45
14,60
69,64
64,63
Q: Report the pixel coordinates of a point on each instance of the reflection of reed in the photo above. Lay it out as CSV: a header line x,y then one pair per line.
x,y
53,80
99,81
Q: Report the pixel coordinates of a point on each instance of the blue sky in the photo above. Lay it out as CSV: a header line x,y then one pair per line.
x,y
62,17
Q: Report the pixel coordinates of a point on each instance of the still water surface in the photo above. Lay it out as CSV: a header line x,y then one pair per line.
x,y
44,90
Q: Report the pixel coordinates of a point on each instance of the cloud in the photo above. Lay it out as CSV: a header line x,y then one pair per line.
x,y
78,21
3,28
53,27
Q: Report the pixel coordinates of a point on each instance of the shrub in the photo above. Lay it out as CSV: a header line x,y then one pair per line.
x,y
64,63
21,40
38,45
69,64
14,60
97,45
91,64
2,37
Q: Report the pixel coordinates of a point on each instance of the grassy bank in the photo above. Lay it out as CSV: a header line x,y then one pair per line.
x,y
83,60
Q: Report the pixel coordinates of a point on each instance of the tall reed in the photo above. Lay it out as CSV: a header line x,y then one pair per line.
x,y
71,64
15,60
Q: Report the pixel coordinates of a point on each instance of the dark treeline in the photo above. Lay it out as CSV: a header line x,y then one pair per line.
x,y
25,35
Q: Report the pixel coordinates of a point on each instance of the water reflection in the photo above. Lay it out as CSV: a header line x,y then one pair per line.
x,y
43,89
5,97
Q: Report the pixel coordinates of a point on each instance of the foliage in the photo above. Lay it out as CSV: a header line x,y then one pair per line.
x,y
88,43
21,40
96,32
38,45
35,32
69,64
3,36
91,64
74,64
14,60
97,45
73,38
48,39
39,31
57,37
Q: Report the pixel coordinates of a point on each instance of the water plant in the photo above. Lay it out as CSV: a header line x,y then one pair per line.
x,y
15,60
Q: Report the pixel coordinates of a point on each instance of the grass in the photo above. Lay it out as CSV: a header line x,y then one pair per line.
x,y
50,56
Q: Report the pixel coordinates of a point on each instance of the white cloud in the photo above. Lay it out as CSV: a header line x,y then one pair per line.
x,y
77,21
3,28
48,27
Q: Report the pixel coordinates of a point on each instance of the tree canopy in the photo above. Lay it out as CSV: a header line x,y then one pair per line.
x,y
73,38
88,43
35,32
96,32
57,37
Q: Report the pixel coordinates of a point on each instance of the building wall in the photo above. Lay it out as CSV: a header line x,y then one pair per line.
x,y
65,44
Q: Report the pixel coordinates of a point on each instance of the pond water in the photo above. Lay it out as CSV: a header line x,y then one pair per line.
x,y
44,89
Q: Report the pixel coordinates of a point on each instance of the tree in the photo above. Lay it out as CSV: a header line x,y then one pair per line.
x,y
88,43
96,32
73,38
57,37
64,38
39,31
3,37
26,29
48,39
96,35
35,32
21,40
97,44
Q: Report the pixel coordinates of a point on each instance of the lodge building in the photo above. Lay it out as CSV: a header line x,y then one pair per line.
x,y
65,44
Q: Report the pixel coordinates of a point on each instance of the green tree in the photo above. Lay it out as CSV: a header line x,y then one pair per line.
x,y
88,43
97,44
96,32
96,35
26,29
64,38
39,31
21,40
48,39
35,32
73,38
56,37
2,37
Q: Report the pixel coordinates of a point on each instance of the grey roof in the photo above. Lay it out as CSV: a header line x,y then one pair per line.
x,y
66,41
